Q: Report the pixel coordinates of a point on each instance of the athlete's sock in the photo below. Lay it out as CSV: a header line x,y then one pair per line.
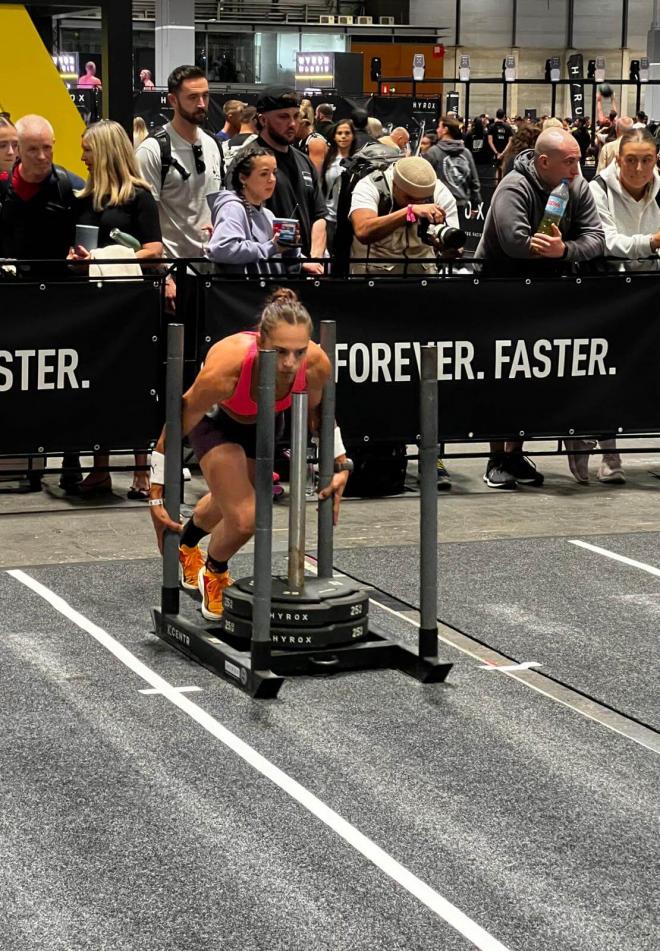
x,y
192,535
219,567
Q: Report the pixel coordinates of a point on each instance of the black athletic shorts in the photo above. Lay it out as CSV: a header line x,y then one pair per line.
x,y
221,428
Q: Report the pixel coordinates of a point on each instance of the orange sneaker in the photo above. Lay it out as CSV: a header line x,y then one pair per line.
x,y
191,560
211,585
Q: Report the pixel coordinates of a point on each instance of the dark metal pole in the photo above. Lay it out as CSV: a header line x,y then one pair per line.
x,y
570,24
325,552
467,100
593,114
428,508
297,480
624,24
173,440
638,101
553,105
263,533
117,45
457,41
514,23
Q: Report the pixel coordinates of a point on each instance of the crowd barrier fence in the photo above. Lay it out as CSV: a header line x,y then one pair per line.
x,y
81,362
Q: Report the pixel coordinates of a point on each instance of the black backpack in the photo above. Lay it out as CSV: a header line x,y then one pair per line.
x,y
379,468
373,158
167,160
64,187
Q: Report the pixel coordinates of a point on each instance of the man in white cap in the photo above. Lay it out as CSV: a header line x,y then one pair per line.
x,y
390,211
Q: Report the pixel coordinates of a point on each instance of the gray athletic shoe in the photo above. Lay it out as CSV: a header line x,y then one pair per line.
x,y
578,460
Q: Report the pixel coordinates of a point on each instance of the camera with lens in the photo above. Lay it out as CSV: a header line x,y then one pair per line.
x,y
443,236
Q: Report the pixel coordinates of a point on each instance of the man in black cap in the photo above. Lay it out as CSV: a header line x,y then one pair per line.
x,y
297,193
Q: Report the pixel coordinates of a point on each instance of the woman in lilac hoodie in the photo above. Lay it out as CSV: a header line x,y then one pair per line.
x,y
242,240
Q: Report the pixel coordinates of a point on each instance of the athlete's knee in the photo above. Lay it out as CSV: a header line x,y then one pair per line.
x,y
241,519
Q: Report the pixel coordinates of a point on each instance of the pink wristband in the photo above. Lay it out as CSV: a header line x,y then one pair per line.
x,y
410,215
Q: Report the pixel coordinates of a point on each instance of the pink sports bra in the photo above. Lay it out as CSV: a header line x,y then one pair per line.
x,y
241,401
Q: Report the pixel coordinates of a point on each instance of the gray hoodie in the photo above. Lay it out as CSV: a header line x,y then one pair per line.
x,y
242,239
515,213
454,166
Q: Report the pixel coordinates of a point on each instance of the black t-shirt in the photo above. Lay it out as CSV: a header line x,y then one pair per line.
x,y
297,193
480,149
138,217
501,132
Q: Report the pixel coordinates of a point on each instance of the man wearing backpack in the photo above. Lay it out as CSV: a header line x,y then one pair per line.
x,y
390,211
37,221
36,201
454,165
181,162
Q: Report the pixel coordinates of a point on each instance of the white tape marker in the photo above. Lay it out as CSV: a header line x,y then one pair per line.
x,y
507,668
613,555
150,691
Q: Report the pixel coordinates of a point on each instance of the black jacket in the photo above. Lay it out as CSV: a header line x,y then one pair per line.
x,y
43,227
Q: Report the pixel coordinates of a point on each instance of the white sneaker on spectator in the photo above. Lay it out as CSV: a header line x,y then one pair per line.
x,y
611,470
578,458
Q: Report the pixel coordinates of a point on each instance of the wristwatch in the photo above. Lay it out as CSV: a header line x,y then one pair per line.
x,y
345,466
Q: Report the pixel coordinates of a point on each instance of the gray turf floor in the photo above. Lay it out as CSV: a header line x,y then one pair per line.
x,y
126,826
591,622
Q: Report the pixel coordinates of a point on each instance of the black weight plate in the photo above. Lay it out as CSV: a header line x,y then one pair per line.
x,y
323,601
308,638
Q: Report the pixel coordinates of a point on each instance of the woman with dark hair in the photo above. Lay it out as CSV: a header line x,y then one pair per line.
x,y
428,140
242,240
219,417
477,144
525,138
343,144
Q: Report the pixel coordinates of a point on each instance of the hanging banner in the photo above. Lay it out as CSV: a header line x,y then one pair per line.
x,y
576,74
566,359
79,366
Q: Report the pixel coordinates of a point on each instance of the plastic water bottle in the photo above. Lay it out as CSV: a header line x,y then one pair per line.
x,y
555,208
127,240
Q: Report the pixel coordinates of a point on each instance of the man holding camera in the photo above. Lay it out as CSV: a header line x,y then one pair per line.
x,y
402,212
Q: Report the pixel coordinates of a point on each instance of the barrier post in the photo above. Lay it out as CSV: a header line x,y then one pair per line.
x,y
428,504
325,552
263,534
173,444
297,485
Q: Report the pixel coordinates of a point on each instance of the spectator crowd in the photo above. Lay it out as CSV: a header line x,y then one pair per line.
x,y
285,189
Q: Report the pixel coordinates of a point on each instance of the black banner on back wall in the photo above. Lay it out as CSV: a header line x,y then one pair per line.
x,y
554,358
576,74
79,367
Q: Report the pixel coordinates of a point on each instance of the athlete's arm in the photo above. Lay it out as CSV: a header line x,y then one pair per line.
x,y
215,382
318,374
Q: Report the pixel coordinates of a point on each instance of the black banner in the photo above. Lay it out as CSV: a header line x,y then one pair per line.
x,y
79,366
556,358
576,74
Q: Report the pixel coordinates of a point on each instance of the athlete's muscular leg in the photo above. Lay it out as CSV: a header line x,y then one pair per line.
x,y
229,475
207,513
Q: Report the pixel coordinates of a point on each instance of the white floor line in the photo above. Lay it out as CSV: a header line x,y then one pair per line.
x,y
402,876
613,555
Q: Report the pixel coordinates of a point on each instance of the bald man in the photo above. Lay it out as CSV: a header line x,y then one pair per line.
x,y
397,139
611,149
511,245
37,219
